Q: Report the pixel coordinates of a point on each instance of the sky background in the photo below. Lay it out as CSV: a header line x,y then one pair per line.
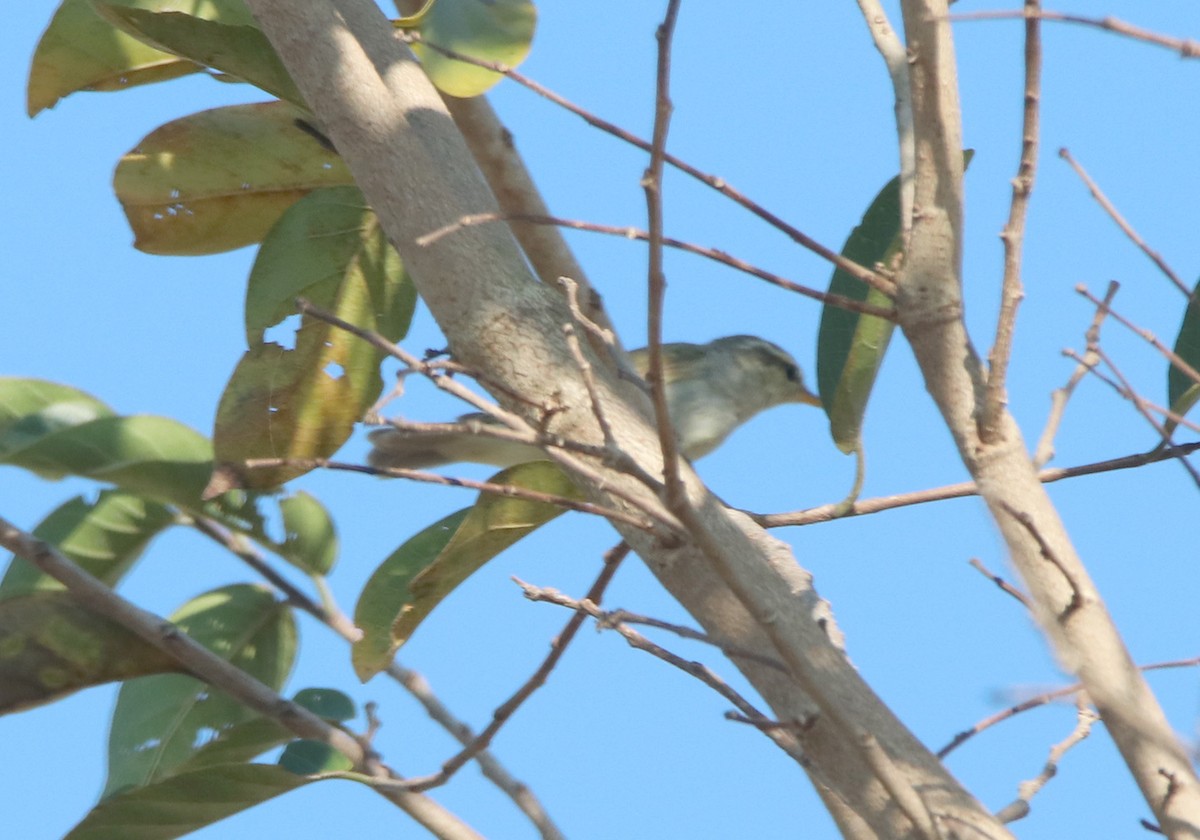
x,y
790,103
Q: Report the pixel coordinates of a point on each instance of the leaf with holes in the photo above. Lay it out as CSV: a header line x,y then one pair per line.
x,y
304,402
160,722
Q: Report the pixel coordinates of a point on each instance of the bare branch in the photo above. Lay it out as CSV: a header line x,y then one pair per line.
x,y
714,254
1000,582
652,183
1186,47
1012,292
866,275
612,561
863,507
1059,399
895,56
1019,808
1125,227
414,683
1066,602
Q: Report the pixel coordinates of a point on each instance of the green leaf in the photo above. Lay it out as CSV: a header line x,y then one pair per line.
x,y
105,537
50,646
33,408
1182,391
499,31
238,743
220,179
81,51
311,542
245,741
240,51
161,722
185,803
305,757
329,703
850,346
150,456
387,592
421,573
305,402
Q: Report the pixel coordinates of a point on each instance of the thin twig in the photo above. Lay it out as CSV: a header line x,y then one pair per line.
x,y
714,254
830,512
1042,700
1013,235
1019,808
212,669
612,560
902,791
895,56
1004,585
506,490
656,283
1186,47
1059,399
1125,227
619,621
413,682
1125,393
513,421
866,275
1140,406
1147,336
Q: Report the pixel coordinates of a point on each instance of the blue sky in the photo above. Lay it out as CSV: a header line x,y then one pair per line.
x,y
793,107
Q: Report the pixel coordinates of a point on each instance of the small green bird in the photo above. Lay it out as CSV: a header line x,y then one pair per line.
x,y
711,390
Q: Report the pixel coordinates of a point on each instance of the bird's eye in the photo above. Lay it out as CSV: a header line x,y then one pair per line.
x,y
793,373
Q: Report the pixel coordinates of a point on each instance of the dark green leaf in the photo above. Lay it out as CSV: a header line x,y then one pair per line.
x,y
328,703
306,757
850,346
33,408
182,804
1182,390
151,456
50,646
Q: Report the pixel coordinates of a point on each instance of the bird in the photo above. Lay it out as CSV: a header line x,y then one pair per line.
x,y
711,390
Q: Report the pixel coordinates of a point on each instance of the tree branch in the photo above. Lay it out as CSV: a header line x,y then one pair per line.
x,y
217,672
930,305
403,149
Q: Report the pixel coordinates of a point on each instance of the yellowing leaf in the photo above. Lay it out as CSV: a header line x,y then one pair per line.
x,y
220,179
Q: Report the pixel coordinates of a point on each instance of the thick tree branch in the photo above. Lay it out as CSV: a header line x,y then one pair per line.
x,y
417,174
1065,600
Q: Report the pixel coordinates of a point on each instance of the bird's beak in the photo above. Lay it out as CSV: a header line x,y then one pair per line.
x,y
807,397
